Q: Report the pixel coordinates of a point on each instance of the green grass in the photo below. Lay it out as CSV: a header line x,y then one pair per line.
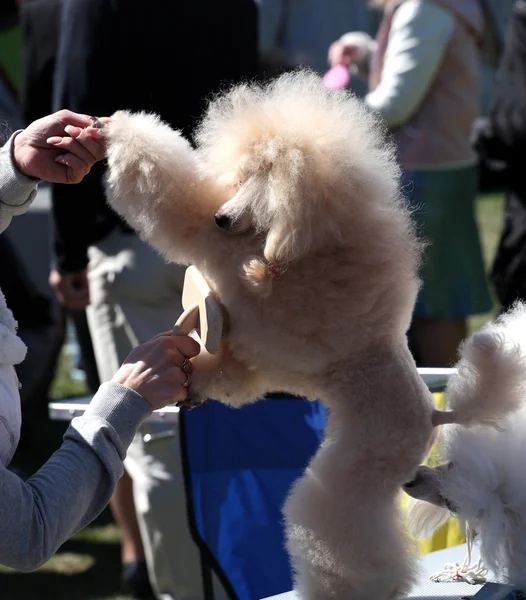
x,y
63,385
88,566
489,210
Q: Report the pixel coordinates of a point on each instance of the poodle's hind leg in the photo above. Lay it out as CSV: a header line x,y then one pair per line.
x,y
385,563
385,575
309,587
351,548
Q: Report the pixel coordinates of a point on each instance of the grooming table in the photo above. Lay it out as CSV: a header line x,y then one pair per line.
x,y
435,378
429,590
65,410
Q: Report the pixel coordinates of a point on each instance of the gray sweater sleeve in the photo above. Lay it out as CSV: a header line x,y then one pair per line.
x,y
76,483
16,190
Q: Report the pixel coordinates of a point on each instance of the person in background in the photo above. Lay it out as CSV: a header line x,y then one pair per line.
x,y
40,28
423,74
293,34
500,140
168,59
496,15
72,488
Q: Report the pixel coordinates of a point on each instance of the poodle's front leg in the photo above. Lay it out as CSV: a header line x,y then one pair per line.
x,y
154,183
222,377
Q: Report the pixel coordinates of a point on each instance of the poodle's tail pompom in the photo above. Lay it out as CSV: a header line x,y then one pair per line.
x,y
490,382
424,518
258,275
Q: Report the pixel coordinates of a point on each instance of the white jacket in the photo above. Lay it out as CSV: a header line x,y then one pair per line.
x,y
16,195
12,352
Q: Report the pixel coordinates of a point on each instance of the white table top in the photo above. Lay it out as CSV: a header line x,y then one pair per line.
x,y
65,410
427,589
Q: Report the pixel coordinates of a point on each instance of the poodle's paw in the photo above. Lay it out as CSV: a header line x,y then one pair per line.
x,y
203,382
191,402
210,384
135,138
222,377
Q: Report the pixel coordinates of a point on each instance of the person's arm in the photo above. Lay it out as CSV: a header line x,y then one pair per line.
x,y
86,79
73,487
354,49
16,190
501,135
418,39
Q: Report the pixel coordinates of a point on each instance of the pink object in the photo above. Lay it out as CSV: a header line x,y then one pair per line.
x,y
336,78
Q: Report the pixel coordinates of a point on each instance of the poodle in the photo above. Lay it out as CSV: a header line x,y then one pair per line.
x,y
291,207
482,480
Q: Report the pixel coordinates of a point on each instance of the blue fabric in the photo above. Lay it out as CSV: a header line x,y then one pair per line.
x,y
241,465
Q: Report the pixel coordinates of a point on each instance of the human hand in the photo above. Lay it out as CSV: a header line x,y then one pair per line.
x,y
60,148
71,289
159,370
343,54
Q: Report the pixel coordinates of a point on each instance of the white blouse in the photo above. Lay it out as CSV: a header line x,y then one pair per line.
x,y
12,352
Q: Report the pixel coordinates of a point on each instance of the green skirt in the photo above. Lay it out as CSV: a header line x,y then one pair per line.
x,y
452,270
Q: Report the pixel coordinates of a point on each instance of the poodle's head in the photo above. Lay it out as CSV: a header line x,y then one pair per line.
x,y
427,485
428,507
304,167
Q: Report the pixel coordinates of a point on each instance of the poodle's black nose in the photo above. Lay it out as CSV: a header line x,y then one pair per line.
x,y
417,480
224,222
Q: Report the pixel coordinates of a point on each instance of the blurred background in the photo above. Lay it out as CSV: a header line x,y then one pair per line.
x,y
60,361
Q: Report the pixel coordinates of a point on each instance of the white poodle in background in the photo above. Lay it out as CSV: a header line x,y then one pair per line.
x,y
291,208
483,478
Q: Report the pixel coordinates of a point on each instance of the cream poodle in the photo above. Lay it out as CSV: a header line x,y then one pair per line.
x,y
482,480
291,208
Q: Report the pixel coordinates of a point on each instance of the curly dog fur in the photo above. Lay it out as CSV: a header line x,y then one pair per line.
x,y
316,262
482,480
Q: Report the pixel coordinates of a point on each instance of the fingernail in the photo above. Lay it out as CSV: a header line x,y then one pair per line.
x,y
73,131
94,132
62,160
54,140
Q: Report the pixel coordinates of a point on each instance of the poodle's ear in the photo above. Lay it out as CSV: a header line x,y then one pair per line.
x,y
285,243
301,216
288,239
424,518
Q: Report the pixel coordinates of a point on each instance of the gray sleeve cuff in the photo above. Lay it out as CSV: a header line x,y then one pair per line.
x,y
121,407
15,188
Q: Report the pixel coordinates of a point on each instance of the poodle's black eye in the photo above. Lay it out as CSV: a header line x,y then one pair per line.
x,y
239,183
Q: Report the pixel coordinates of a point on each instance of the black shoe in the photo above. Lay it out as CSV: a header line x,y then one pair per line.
x,y
135,580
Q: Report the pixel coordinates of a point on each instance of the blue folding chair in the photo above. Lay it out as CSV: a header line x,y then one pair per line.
x,y
239,465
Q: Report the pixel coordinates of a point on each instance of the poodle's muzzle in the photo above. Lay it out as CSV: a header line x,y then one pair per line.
x,y
225,222
232,223
426,485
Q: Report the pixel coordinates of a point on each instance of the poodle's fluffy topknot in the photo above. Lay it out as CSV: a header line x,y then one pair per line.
x,y
297,107
326,158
